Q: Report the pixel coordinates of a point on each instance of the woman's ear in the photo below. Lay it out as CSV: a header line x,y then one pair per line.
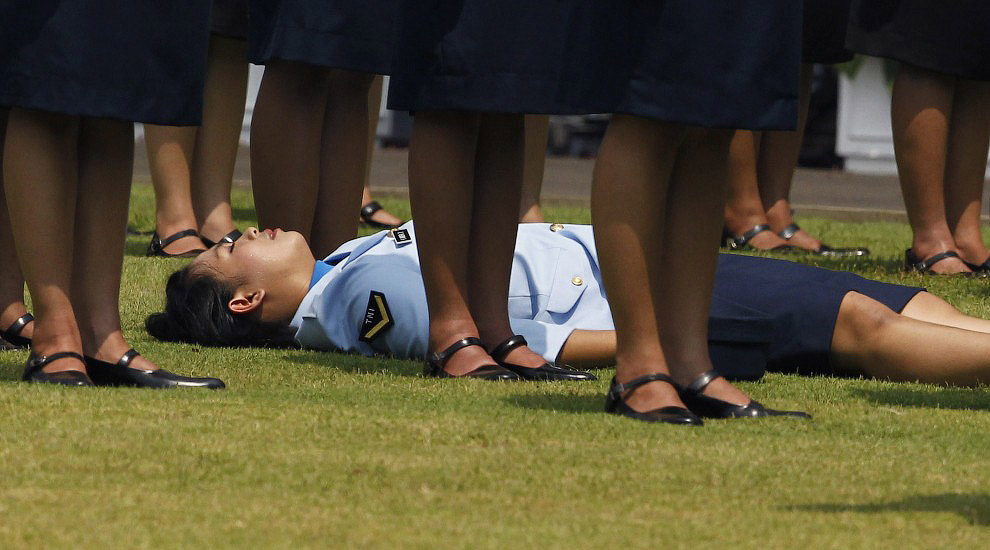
x,y
245,301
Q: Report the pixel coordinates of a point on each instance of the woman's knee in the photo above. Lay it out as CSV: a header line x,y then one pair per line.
x,y
863,317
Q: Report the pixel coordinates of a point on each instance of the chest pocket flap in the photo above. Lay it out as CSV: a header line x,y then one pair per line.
x,y
570,280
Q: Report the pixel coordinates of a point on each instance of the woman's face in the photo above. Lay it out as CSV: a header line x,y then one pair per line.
x,y
264,259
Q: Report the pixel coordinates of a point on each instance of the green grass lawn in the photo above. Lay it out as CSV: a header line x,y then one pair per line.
x,y
324,450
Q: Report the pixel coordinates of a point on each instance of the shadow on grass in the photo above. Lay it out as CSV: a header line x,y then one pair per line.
x,y
973,507
943,398
355,364
561,403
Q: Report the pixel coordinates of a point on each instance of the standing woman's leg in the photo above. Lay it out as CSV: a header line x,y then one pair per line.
x,y
219,135
343,159
11,278
441,171
921,107
537,129
374,110
286,132
966,162
170,153
41,178
744,208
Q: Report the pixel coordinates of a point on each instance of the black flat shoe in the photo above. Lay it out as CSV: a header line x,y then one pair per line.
x,y
226,239
912,263
34,374
436,361
13,333
368,210
741,242
157,245
546,371
120,374
668,415
824,249
710,407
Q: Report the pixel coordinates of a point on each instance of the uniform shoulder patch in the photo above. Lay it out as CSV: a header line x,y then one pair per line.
x,y
377,318
400,236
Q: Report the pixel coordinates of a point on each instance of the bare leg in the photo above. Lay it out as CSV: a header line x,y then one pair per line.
x,y
11,278
374,111
218,137
744,209
969,136
778,157
286,134
105,164
498,176
170,151
343,159
638,159
41,168
932,309
871,339
537,128
920,112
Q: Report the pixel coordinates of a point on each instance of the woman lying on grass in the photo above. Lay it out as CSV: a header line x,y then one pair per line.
x,y
367,297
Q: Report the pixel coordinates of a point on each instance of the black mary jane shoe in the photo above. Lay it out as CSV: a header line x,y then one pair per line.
x,y
824,249
226,239
546,371
436,361
12,335
34,374
711,407
368,210
121,374
913,263
667,415
157,245
741,242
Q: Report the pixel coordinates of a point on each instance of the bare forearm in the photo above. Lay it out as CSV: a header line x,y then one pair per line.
x,y
588,349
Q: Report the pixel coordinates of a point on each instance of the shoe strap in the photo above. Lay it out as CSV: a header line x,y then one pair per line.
x,y
499,352
369,209
700,383
743,240
162,243
125,360
229,238
17,326
616,389
789,231
440,358
925,265
36,362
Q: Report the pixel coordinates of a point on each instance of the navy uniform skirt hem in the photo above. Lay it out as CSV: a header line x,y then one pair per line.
x,y
503,93
775,323
326,49
78,98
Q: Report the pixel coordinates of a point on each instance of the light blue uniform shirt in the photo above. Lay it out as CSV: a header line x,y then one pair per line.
x,y
555,287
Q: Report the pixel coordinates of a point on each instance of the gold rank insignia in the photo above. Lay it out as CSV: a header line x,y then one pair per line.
x,y
377,318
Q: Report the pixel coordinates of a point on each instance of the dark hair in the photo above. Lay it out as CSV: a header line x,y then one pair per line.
x,y
196,312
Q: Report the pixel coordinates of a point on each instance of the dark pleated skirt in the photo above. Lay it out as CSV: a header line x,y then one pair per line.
x,y
140,61
230,18
357,35
823,38
950,37
780,316
701,62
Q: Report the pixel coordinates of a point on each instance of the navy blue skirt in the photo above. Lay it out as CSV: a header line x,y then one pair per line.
x,y
823,34
230,18
779,316
947,37
357,35
141,60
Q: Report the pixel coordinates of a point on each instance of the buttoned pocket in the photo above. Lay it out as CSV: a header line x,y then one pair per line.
x,y
571,279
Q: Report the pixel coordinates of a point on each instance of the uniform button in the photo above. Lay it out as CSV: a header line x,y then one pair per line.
x,y
556,227
577,281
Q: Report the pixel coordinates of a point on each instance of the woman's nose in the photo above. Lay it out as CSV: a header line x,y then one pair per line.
x,y
252,233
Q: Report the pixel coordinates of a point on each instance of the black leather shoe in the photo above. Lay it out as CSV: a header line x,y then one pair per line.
x,y
436,361
668,415
741,242
226,239
12,335
710,407
120,374
157,245
546,371
824,249
33,372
